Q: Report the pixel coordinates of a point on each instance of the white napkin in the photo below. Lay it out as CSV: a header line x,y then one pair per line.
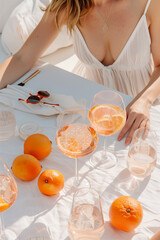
x,y
9,96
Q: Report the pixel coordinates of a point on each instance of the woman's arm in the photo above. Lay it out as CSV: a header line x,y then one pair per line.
x,y
138,111
16,66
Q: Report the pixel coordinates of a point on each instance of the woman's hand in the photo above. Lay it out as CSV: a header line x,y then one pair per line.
x,y
138,115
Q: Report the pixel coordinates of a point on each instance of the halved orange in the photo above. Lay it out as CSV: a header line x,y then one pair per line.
x,y
3,205
118,120
107,119
106,123
103,111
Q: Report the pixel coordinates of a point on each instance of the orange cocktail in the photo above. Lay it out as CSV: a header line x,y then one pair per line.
x,y
8,192
107,115
107,119
76,140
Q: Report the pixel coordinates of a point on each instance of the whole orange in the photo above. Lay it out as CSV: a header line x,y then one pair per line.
x,y
126,213
50,182
38,145
26,167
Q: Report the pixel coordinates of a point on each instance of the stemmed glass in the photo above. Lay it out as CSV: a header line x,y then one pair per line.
x,y
36,232
140,236
8,192
76,139
7,124
107,116
86,218
142,156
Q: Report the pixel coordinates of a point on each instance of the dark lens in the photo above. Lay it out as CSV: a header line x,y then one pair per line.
x,y
43,93
33,99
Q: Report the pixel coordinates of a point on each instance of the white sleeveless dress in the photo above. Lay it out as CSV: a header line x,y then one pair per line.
x,y
132,70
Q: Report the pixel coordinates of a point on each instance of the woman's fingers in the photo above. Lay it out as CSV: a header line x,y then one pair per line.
x,y
146,125
126,127
137,116
133,122
134,127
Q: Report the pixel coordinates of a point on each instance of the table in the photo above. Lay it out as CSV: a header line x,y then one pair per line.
x,y
33,210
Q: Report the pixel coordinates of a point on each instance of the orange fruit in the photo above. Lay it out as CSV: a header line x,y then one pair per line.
x,y
50,182
3,205
126,213
26,167
38,145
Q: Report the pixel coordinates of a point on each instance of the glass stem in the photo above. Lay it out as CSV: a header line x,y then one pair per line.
x,y
134,183
2,233
76,182
105,146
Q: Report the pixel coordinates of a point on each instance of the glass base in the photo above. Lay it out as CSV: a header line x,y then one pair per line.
x,y
2,232
129,186
71,184
140,236
103,160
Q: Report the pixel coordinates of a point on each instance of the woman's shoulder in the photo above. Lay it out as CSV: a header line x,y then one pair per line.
x,y
153,10
61,18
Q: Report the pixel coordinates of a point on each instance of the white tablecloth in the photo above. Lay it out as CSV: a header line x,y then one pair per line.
x,y
33,210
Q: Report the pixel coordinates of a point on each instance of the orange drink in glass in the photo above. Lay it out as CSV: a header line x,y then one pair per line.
x,y
107,119
76,139
107,116
86,219
8,192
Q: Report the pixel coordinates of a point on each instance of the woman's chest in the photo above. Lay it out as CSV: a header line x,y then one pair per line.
x,y
107,43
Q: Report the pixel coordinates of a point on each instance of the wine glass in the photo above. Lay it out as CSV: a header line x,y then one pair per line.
x,y
37,238
7,124
36,232
86,218
76,139
8,192
107,116
140,236
141,159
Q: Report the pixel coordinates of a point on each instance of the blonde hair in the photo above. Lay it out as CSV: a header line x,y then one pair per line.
x,y
70,11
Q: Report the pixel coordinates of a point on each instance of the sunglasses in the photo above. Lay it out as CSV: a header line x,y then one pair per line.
x,y
34,99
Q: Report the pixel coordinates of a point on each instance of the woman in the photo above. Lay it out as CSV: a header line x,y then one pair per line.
x,y
114,40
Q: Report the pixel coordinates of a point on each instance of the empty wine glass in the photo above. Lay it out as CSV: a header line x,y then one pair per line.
x,y
8,192
142,156
140,236
76,139
36,231
37,238
7,125
107,116
86,218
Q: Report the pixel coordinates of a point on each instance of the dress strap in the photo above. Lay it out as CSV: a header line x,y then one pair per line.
x,y
147,5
